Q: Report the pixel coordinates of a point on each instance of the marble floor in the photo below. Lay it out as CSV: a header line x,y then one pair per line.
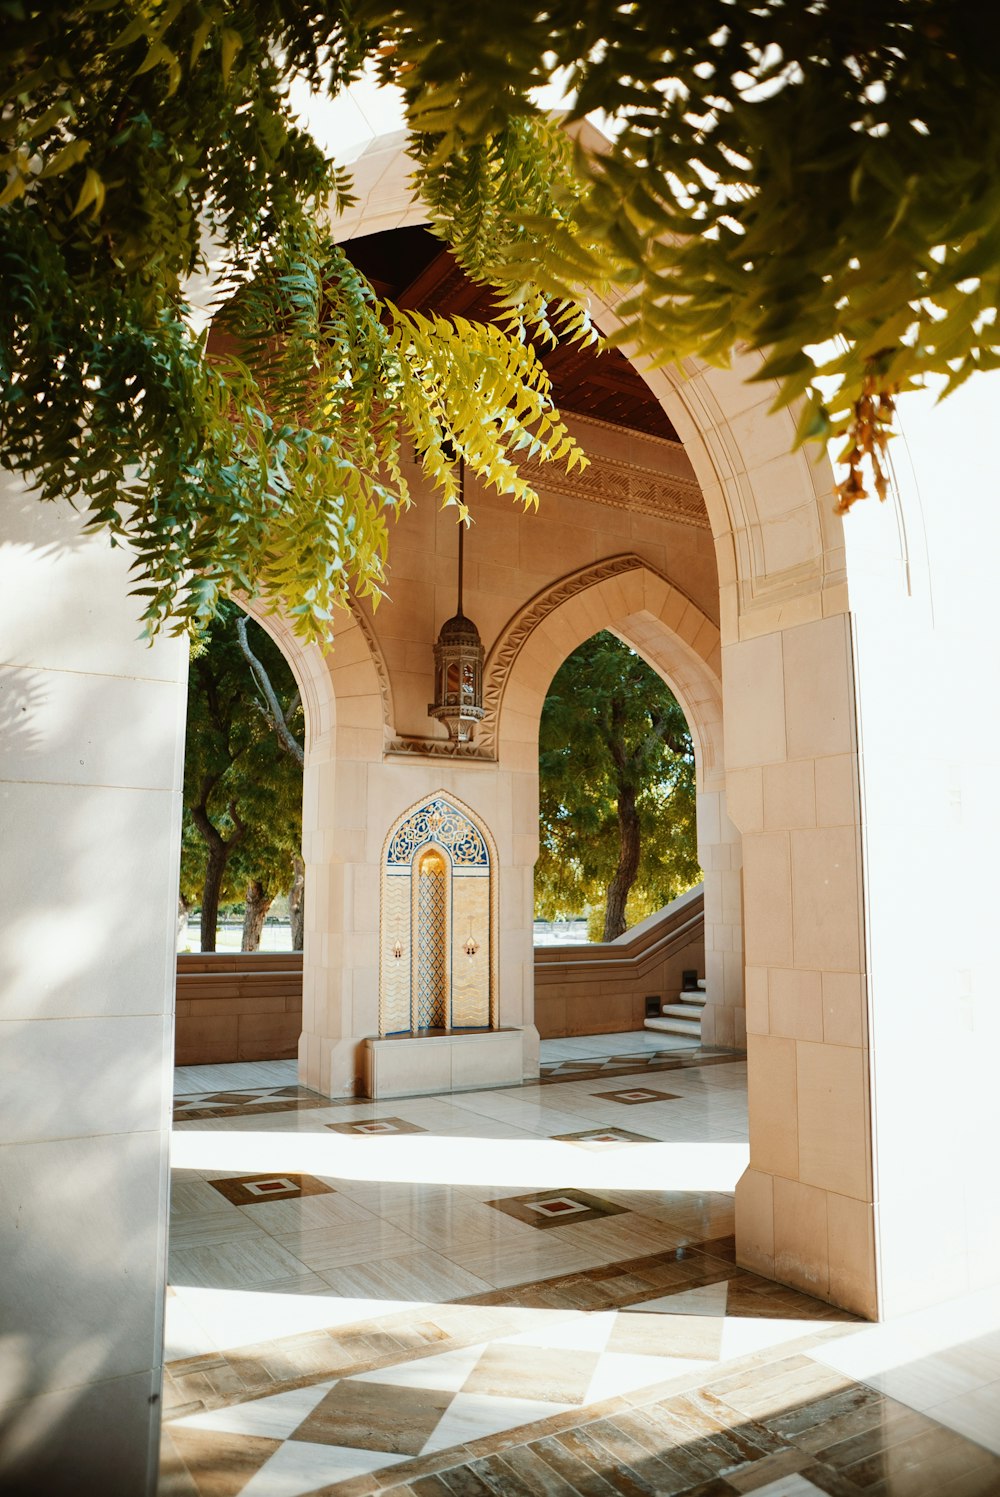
x,y
528,1291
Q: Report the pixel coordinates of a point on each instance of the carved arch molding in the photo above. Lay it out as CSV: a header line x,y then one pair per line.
x,y
502,656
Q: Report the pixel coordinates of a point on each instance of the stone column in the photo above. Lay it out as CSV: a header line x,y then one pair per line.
x,y
92,752
805,1206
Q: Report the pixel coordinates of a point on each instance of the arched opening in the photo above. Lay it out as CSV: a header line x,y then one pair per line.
x,y
242,872
244,754
616,792
618,856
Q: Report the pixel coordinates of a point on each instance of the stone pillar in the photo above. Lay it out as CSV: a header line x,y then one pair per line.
x,y
92,745
720,852
805,1206
927,645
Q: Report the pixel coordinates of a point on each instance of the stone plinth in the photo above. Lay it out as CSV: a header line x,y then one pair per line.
x,y
407,1065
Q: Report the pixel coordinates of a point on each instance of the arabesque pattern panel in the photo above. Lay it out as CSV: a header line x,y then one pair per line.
x,y
432,943
470,981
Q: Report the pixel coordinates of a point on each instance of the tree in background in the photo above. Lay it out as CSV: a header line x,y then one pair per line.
x,y
616,790
242,781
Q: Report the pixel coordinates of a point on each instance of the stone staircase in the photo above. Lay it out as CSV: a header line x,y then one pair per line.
x,y
684,1016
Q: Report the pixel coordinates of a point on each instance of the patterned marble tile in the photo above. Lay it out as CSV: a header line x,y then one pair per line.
x,y
636,1095
417,1337
253,1190
374,1126
547,1208
606,1136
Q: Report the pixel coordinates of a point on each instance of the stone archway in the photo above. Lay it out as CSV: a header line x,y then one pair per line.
x,y
627,596
791,771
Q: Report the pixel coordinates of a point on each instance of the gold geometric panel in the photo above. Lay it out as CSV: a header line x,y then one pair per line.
x,y
432,943
395,985
470,979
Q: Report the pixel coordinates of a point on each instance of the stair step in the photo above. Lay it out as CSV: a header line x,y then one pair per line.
x,y
690,1011
703,983
690,1027
693,1000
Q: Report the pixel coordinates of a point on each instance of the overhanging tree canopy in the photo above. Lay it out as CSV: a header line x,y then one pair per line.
x,y
819,182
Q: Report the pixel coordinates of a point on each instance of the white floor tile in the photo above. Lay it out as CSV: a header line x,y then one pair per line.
x,y
472,1416
298,1468
275,1418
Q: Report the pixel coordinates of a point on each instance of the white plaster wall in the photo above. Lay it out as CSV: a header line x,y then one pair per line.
x,y
91,758
927,648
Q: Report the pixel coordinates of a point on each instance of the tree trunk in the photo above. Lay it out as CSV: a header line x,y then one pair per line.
x,y
257,906
218,857
183,908
628,866
297,904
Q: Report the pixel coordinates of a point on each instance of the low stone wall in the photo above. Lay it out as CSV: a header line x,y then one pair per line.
x,y
602,989
232,1006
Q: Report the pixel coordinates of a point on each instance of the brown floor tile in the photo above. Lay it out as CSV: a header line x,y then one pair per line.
x,y
586,1444
548,1374
375,1416
896,1425
770,1468
221,1464
457,1483
850,1425
579,1473
920,1466
499,1478
540,1479
253,1190
981,1483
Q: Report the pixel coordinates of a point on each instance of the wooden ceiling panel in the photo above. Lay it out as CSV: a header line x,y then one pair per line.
x,y
412,268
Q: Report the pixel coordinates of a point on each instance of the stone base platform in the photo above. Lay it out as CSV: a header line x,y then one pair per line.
x,y
409,1065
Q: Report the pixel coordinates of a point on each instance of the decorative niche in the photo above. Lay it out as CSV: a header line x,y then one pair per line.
x,y
437,969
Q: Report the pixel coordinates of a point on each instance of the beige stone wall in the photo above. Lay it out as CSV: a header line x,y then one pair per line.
x,y
233,1007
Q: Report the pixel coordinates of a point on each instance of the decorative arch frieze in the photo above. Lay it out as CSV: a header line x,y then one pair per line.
x,y
378,661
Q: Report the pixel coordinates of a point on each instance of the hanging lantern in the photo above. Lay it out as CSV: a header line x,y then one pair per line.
x,y
458,665
472,945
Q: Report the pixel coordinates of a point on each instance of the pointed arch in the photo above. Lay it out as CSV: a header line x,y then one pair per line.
x,y
438,918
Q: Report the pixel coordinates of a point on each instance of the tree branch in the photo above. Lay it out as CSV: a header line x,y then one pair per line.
x,y
275,715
